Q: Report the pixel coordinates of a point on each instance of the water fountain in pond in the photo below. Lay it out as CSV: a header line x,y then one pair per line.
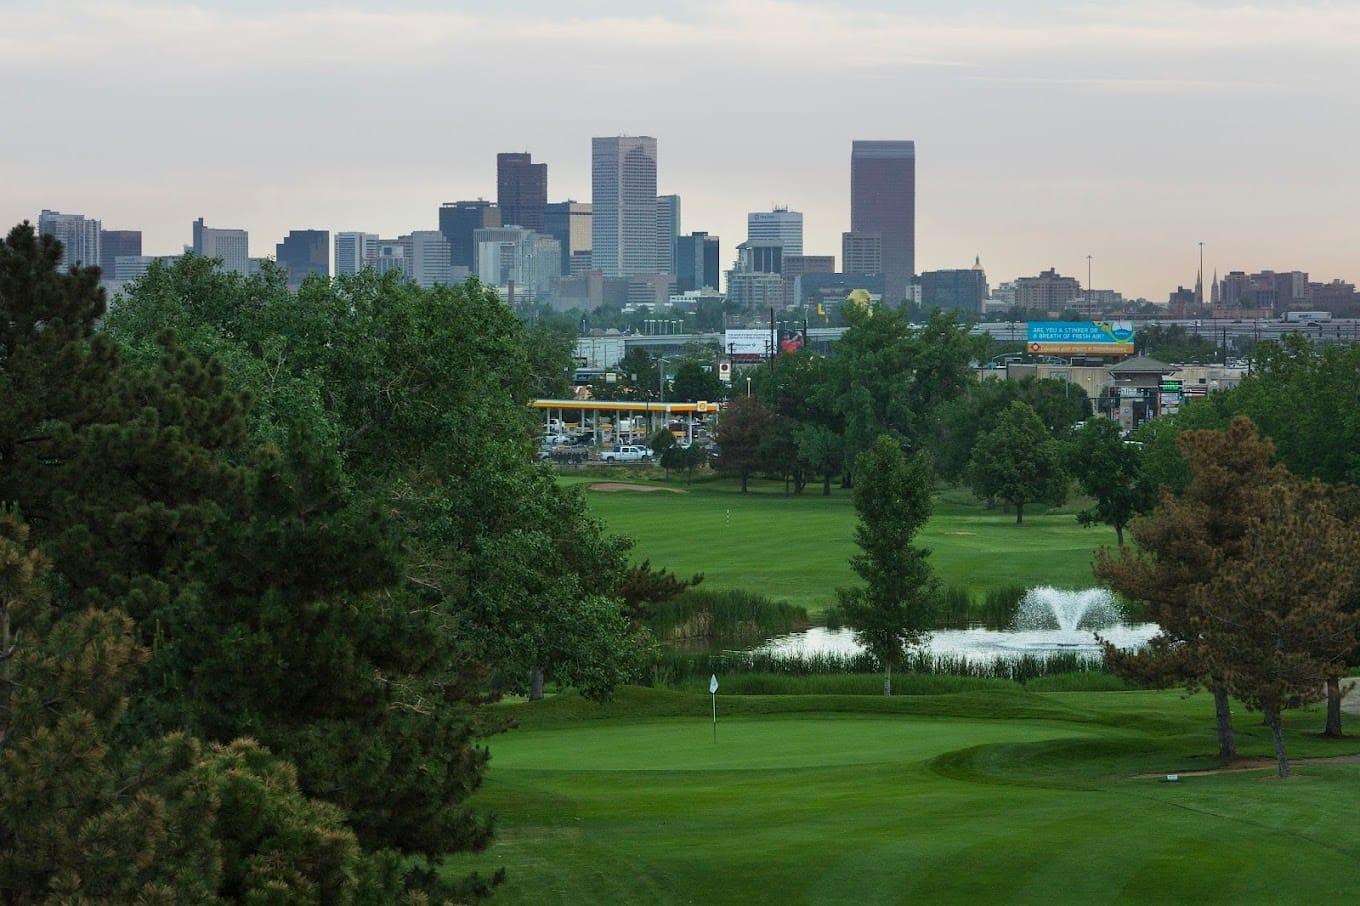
x,y
1067,610
1048,621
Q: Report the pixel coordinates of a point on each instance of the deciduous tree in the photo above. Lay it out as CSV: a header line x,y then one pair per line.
x,y
1110,471
1018,462
891,611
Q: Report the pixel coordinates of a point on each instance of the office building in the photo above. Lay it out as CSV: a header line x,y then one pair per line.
x,y
521,190
812,289
778,225
761,256
861,253
458,220
230,247
78,235
114,244
354,252
429,253
883,201
667,231
393,255
581,263
519,261
134,267
1279,291
304,252
1050,291
755,290
569,223
962,290
696,262
623,196
796,265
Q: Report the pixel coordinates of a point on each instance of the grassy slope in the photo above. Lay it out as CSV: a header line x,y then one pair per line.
x,y
994,795
798,548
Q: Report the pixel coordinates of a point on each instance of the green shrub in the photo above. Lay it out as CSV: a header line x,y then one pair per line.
x,y
732,615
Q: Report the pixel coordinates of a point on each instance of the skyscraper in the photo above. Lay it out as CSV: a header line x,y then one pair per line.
x,y
623,194
696,262
457,220
231,247
883,201
569,223
667,231
521,190
304,252
354,252
78,235
117,244
780,225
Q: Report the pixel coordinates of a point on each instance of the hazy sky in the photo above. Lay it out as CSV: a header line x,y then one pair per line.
x,y
1045,131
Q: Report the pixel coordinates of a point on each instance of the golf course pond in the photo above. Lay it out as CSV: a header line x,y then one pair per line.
x,y
1049,621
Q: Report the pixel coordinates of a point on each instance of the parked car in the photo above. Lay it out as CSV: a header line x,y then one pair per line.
x,y
629,453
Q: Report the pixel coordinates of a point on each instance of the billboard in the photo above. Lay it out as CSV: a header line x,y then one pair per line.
x,y
746,344
1080,337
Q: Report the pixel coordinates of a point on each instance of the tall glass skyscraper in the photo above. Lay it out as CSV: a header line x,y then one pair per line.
x,y
623,198
883,201
521,190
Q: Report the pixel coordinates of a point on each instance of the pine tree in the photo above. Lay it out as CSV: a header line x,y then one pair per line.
x,y
1181,546
1273,620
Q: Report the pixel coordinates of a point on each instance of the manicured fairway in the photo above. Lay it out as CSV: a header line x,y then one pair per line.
x,y
991,797
798,548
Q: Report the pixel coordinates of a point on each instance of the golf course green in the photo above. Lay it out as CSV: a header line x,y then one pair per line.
x,y
798,548
996,796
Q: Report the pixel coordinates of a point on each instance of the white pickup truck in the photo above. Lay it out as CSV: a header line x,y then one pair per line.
x,y
627,454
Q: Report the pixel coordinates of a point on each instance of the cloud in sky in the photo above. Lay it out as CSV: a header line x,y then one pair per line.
x,y
1046,131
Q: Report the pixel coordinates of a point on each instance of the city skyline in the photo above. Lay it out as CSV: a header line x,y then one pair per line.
x,y
1120,132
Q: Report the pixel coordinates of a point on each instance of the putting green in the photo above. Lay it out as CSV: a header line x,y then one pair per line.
x,y
897,807
746,744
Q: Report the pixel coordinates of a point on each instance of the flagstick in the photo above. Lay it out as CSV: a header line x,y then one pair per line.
x,y
715,718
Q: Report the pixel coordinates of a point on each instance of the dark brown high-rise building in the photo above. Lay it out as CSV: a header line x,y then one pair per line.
x,y
883,201
521,190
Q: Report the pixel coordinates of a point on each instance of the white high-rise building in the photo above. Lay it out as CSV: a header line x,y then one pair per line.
x,y
780,225
430,255
354,252
667,231
232,247
623,198
78,235
529,261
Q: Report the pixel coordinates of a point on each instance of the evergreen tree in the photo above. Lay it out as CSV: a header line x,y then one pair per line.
x,y
1274,620
1184,544
891,612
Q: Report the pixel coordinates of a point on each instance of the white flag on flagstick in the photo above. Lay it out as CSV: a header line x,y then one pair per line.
x,y
713,685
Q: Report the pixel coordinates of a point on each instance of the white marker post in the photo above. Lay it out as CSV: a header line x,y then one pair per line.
x,y
713,691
